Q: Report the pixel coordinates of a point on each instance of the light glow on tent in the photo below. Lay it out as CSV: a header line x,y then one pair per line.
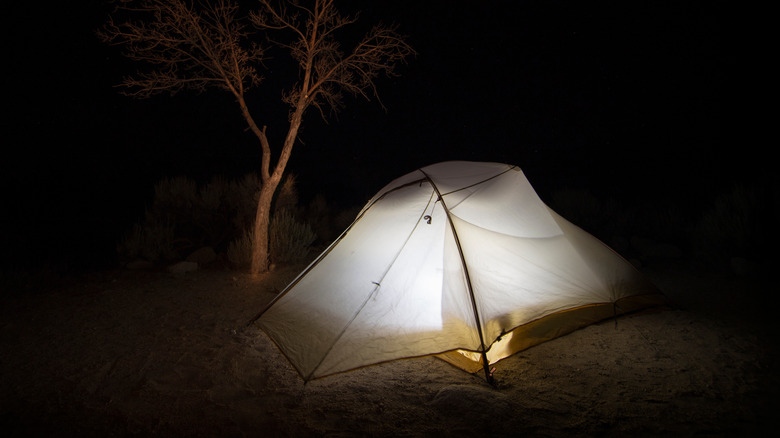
x,y
409,278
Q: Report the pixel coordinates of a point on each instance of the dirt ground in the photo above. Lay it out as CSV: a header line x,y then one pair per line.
x,y
127,353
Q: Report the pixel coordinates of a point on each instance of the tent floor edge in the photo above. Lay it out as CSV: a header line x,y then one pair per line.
x,y
546,329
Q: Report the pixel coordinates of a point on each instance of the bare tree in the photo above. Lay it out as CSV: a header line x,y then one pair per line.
x,y
202,45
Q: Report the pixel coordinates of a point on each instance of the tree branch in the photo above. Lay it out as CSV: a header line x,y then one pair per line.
x,y
184,47
325,72
197,44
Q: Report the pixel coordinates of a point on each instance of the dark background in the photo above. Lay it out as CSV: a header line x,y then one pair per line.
x,y
624,99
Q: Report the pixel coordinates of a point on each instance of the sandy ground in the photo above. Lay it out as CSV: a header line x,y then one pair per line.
x,y
127,353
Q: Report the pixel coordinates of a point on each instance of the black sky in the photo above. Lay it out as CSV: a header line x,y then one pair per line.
x,y
622,98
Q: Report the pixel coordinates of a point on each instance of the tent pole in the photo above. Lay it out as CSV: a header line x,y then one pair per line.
x,y
477,319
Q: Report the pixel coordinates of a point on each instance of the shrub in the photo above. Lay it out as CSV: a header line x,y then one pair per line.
x,y
290,240
239,251
658,220
153,242
319,217
210,197
241,198
603,219
732,226
156,238
344,218
183,216
327,222
287,195
173,199
211,221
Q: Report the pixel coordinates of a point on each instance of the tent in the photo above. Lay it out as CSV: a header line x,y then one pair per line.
x,y
458,259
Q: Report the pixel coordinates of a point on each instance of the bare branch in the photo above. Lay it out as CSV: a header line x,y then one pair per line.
x,y
182,46
380,51
198,44
325,71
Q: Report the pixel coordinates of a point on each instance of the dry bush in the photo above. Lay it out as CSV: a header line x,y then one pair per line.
x,y
734,226
239,251
290,239
183,217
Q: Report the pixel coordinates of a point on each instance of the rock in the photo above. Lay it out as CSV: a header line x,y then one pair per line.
x,y
182,268
203,256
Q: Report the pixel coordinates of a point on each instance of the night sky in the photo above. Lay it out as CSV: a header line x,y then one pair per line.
x,y
621,98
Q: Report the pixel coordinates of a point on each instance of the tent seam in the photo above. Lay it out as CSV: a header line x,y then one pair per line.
x,y
469,286
377,286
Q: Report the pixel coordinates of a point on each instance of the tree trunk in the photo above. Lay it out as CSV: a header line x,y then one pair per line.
x,y
260,243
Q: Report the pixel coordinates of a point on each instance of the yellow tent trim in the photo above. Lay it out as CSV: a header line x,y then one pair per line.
x,y
547,328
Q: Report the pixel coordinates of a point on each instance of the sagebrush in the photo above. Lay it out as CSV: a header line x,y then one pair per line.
x,y
734,225
184,216
290,239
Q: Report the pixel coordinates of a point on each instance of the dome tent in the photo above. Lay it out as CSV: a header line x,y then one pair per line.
x,y
458,259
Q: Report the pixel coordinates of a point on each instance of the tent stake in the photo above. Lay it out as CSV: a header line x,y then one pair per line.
x,y
486,366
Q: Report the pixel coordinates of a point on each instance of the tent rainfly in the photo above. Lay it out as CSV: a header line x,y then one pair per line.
x,y
461,260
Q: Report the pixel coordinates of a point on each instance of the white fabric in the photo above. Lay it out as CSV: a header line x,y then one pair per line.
x,y
394,285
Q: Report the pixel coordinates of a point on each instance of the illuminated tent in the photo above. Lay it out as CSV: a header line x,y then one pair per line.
x,y
458,259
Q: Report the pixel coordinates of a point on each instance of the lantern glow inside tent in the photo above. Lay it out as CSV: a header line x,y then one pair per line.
x,y
461,260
